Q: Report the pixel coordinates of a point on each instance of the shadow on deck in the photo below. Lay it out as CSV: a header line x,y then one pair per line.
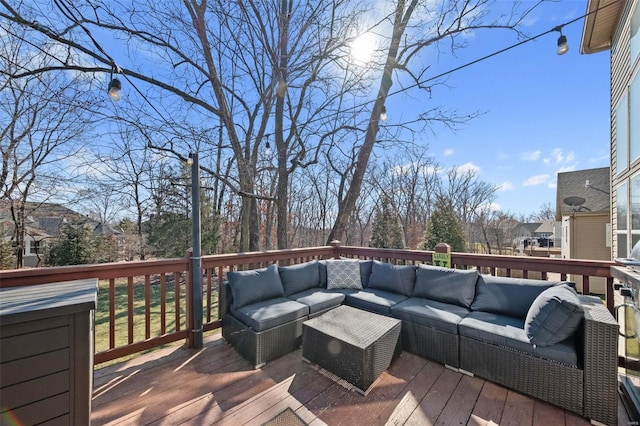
x,y
215,385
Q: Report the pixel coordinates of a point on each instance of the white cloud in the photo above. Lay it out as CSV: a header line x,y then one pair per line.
x,y
557,156
448,152
569,168
506,186
553,184
531,156
411,168
468,167
536,180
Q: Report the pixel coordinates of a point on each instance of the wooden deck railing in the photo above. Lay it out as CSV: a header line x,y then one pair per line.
x,y
147,304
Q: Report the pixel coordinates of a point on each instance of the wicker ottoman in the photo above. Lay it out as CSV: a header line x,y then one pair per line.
x,y
353,344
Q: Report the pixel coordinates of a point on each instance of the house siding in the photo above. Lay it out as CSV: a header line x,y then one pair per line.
x,y
622,72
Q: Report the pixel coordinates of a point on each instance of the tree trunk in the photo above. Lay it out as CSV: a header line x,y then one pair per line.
x,y
282,190
346,206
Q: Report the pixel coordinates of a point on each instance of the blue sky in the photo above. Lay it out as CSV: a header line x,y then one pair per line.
x,y
542,113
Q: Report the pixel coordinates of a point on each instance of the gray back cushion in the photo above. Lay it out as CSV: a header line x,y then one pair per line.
x,y
254,285
300,277
507,296
446,285
394,278
554,316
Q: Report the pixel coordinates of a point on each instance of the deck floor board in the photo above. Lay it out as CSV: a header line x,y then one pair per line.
x,y
214,385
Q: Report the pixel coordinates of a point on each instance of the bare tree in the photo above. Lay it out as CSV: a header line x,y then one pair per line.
x,y
218,77
445,20
44,118
546,212
496,229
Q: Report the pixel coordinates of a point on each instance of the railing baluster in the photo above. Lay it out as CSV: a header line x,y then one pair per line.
x,y
130,310
147,307
112,313
220,295
163,304
585,284
209,273
176,289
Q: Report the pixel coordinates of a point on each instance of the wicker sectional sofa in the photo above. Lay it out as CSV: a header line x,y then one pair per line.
x,y
536,337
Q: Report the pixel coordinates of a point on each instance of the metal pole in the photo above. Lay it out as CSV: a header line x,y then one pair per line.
x,y
196,259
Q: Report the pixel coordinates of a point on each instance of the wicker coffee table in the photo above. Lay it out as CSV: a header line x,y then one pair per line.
x,y
353,344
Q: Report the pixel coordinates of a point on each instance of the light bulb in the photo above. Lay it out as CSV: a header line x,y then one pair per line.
x,y
563,47
114,89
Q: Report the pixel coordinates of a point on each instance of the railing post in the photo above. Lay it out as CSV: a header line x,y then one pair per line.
x,y
336,248
442,255
196,257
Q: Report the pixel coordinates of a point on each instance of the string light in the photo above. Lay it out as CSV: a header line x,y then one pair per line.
x,y
562,48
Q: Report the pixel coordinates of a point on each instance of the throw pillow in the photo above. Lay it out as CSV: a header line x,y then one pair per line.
x,y
554,316
446,285
343,274
300,277
254,285
394,278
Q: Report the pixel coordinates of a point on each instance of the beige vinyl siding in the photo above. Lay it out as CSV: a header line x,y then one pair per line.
x,y
620,80
589,236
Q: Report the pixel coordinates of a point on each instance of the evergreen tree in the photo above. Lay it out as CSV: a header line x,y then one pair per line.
x,y
78,245
7,255
443,226
386,232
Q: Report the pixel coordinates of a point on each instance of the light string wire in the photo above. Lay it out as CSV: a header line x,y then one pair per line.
x,y
354,107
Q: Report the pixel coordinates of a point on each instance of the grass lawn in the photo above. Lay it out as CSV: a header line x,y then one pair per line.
x,y
121,302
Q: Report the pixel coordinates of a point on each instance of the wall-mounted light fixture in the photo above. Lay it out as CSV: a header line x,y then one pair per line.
x,y
563,47
587,184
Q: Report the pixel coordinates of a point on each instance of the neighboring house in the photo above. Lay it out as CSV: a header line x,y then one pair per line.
x,y
583,206
616,27
544,234
45,221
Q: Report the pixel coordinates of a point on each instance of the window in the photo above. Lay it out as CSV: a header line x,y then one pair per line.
x,y
635,204
634,117
635,35
622,208
622,135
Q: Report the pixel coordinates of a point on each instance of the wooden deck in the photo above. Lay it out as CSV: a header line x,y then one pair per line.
x,y
215,385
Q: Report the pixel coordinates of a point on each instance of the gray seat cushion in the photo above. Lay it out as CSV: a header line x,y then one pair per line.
x,y
508,332
300,277
254,285
446,285
318,300
393,278
374,300
267,314
430,313
507,296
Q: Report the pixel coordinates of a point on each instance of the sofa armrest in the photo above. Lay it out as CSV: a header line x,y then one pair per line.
x,y
600,361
